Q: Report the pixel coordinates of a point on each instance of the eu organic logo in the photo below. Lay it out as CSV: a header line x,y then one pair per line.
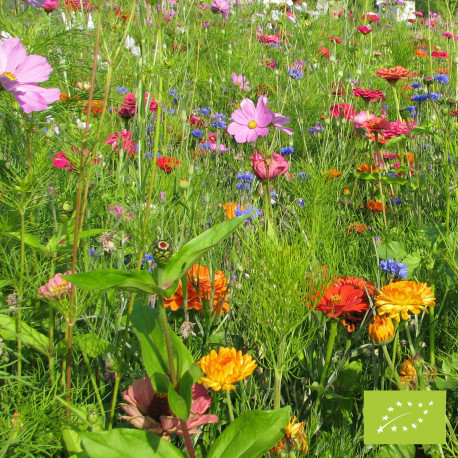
x,y
404,417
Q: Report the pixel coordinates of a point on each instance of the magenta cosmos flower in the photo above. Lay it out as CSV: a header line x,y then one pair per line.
x,y
56,288
150,411
271,166
241,82
220,6
19,74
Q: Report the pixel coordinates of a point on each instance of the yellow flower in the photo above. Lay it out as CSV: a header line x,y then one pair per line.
x,y
403,297
381,330
225,368
294,439
408,374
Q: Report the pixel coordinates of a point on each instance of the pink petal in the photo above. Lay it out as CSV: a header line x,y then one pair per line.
x,y
34,98
240,117
248,108
12,53
33,69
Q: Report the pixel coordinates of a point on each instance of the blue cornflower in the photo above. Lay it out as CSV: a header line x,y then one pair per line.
x,y
149,261
218,115
274,45
205,110
394,267
442,79
247,186
219,124
315,129
204,199
396,201
411,109
149,155
301,202
296,74
239,186
205,146
303,176
434,96
121,90
251,212
385,107
273,193
173,92
197,133
171,110
420,98
245,176
416,85
286,151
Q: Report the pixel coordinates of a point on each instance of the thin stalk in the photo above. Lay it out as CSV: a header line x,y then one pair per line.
x,y
94,384
393,370
19,308
278,375
432,333
409,338
229,406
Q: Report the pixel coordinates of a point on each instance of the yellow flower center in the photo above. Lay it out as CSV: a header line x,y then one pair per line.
x,y
9,75
335,299
59,288
252,124
239,84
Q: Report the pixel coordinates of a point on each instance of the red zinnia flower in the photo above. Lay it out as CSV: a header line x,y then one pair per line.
x,y
342,110
341,299
168,163
393,74
324,52
376,124
440,54
368,94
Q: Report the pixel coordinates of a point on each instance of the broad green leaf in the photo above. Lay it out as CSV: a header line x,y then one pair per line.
x,y
72,441
148,328
348,377
396,451
251,435
179,404
29,336
393,250
412,261
128,443
93,345
30,240
188,254
139,281
4,282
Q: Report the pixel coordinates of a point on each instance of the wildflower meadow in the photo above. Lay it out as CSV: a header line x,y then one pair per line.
x,y
223,223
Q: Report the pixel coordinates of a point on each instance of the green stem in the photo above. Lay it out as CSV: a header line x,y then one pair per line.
x,y
393,370
19,305
94,384
278,375
409,338
432,333
396,100
229,405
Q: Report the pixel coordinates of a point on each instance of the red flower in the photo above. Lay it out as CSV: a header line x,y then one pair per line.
x,y
335,39
440,54
370,17
341,299
195,121
168,163
364,30
393,74
324,52
342,110
376,124
368,94
356,227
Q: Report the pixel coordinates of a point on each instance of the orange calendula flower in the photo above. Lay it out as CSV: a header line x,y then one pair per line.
x,y
374,206
367,168
199,288
381,330
408,374
393,74
225,368
402,297
294,439
332,174
409,157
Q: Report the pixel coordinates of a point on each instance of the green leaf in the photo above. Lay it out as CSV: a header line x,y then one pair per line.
x,y
93,345
29,336
394,250
178,403
72,441
188,254
128,443
148,328
396,451
252,434
412,261
4,282
30,240
348,377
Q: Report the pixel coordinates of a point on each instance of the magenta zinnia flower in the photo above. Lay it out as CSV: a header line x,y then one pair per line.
x,y
150,411
364,30
19,74
250,122
370,94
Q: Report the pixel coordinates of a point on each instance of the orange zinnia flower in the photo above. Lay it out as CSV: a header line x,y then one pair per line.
x,y
199,288
409,157
225,368
367,168
295,438
332,174
374,206
420,53
230,207
393,74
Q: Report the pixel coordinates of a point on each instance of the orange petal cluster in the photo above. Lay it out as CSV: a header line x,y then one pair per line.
x,y
393,74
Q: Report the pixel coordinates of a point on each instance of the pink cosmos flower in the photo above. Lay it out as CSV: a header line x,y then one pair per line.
x,y
364,30
61,162
128,145
127,109
278,121
118,211
342,110
150,411
250,122
241,82
56,287
220,6
271,166
19,74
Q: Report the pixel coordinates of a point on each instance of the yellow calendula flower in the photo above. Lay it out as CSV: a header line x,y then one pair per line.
x,y
295,439
225,368
399,298
381,330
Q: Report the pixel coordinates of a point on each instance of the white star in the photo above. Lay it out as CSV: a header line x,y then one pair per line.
x,y
385,418
431,403
380,430
393,428
414,426
420,420
409,404
420,404
399,404
390,409
404,428
425,412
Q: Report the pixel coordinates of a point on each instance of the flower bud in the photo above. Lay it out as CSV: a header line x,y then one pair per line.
x,y
92,416
381,330
162,251
183,184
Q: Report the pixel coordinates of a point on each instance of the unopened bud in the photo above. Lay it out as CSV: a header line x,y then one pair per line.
x,y
162,251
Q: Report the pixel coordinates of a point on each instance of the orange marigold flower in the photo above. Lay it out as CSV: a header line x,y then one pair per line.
x,y
96,106
402,297
393,74
225,368
381,330
332,174
64,97
374,206
367,168
199,288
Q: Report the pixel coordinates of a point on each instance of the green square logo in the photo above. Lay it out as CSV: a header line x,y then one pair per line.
x,y
404,417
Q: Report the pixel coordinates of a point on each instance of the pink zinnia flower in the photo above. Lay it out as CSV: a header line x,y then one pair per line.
x,y
149,411
50,5
241,82
398,128
371,17
342,110
271,166
19,73
250,122
360,117
369,94
364,30
127,109
268,38
220,6
56,287
128,144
